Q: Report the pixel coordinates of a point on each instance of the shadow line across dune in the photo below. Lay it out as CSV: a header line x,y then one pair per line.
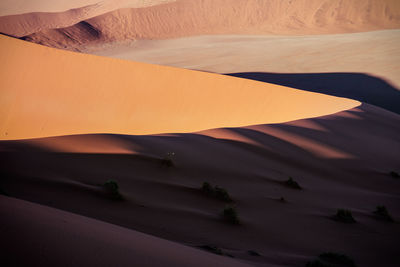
x,y
357,86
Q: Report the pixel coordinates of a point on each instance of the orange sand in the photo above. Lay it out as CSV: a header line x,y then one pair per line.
x,y
47,92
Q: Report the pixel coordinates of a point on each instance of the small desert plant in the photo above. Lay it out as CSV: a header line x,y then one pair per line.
x,y
230,215
218,192
330,259
337,259
222,194
112,189
167,160
394,174
343,215
212,249
253,253
283,200
292,183
317,263
383,213
207,188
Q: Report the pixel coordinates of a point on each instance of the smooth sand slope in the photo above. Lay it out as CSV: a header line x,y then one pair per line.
x,y
376,53
41,15
341,161
199,17
66,239
46,92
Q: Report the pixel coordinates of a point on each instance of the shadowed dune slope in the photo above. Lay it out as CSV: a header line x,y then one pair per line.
x,y
58,238
341,160
45,92
356,86
199,17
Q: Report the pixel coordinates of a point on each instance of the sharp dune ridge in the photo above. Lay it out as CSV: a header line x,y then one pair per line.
x,y
199,17
327,156
62,92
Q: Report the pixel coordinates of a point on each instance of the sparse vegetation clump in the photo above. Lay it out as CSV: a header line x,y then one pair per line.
x,y
212,249
207,188
112,189
317,263
253,253
337,259
383,213
343,215
330,259
292,183
222,194
395,174
217,192
167,160
230,215
283,200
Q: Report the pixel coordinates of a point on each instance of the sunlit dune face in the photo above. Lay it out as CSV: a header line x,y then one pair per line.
x,y
49,92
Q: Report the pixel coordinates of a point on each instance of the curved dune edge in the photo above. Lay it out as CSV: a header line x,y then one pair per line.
x,y
50,92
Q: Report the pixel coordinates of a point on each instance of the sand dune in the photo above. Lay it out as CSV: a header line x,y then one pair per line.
x,y
341,161
69,13
376,53
65,239
48,92
194,17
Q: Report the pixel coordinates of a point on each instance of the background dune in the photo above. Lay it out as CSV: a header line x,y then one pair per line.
x,y
69,13
194,17
48,92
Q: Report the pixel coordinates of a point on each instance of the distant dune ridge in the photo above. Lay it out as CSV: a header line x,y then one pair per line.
x,y
45,14
46,92
199,17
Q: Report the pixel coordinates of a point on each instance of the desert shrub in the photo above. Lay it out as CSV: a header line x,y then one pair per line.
x,y
212,249
343,215
317,263
112,189
283,200
253,253
222,194
167,160
292,183
217,192
207,188
230,215
337,259
383,213
394,174
330,259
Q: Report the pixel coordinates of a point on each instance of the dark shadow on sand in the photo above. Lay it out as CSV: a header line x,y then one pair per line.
x,y
358,86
